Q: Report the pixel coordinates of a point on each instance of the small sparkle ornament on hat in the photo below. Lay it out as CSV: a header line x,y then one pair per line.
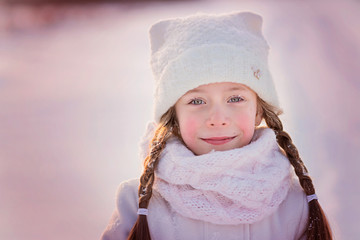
x,y
204,48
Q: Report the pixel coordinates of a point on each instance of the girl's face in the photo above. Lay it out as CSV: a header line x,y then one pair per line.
x,y
219,116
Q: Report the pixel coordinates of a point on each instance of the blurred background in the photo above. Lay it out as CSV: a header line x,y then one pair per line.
x,y
76,94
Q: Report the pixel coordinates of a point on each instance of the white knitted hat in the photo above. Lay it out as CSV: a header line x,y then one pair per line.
x,y
202,49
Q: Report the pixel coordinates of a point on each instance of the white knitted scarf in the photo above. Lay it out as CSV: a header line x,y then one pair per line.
x,y
242,185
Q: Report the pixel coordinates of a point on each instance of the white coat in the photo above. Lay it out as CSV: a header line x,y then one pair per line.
x,y
287,223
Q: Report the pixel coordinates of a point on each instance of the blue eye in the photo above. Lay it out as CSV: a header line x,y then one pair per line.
x,y
196,101
235,99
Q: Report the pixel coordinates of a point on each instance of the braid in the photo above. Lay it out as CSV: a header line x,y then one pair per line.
x,y
166,128
318,227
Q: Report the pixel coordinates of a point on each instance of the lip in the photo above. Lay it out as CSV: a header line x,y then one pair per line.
x,y
218,140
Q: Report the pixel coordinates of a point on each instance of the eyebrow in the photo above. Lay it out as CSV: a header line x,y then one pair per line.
x,y
194,91
227,90
235,89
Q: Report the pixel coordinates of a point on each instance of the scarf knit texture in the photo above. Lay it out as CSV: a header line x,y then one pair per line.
x,y
238,186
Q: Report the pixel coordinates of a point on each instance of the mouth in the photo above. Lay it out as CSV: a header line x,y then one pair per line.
x,y
218,140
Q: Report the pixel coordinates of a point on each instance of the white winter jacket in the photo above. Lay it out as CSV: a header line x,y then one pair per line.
x,y
287,223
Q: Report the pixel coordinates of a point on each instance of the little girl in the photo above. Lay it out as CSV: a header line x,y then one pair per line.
x,y
211,171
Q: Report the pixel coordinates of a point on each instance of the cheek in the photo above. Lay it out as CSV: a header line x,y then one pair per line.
x,y
246,122
188,129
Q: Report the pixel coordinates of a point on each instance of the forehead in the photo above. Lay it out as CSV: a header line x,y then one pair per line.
x,y
223,86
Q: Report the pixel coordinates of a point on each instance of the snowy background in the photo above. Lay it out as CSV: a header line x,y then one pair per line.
x,y
76,94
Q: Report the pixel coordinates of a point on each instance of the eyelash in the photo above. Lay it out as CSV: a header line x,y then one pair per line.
x,y
195,99
239,99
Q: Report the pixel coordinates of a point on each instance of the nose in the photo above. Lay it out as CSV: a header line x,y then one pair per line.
x,y
217,118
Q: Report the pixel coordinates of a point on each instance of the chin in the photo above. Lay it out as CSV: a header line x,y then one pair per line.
x,y
218,149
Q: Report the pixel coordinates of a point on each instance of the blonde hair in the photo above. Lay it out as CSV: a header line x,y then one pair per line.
x,y
317,226
165,129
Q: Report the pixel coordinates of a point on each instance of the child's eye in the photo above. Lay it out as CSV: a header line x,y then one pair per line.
x,y
196,101
235,99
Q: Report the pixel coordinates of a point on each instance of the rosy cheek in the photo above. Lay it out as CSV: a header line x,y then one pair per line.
x,y
188,130
246,123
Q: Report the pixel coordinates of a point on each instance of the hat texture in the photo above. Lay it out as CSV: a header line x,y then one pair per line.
x,y
202,49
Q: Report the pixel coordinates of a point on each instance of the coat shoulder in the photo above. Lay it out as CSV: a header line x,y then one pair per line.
x,y
125,214
127,191
297,208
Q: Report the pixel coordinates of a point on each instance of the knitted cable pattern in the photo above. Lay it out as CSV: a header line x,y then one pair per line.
x,y
242,185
